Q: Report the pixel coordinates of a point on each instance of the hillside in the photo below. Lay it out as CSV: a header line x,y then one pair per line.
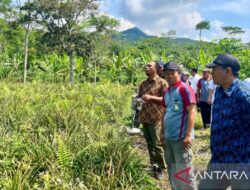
x,y
136,34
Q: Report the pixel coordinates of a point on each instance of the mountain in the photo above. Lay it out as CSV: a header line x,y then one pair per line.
x,y
135,34
132,34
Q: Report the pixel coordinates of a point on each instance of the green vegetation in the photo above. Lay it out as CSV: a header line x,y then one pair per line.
x,y
56,135
63,137
36,44
201,143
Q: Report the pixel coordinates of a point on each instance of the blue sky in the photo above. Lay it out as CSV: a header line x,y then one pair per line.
x,y
159,16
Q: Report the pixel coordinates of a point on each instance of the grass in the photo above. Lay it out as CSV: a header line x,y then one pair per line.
x,y
67,137
70,137
201,143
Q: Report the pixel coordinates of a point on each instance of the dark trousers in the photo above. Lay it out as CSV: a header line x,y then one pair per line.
x,y
205,113
155,149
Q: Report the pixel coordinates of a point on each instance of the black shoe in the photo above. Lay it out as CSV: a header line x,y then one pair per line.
x,y
159,174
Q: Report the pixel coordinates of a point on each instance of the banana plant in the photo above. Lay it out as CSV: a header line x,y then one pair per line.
x,y
204,58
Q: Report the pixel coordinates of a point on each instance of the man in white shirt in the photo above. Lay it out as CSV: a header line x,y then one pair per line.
x,y
194,78
211,88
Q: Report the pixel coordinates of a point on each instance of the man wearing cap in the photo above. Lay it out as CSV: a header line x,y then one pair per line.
x,y
159,66
230,126
202,97
177,127
151,91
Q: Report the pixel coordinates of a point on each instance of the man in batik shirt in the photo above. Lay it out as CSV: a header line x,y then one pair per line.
x,y
151,91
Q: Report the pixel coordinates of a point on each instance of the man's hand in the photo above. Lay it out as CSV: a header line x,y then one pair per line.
x,y
146,97
154,99
209,100
187,142
190,125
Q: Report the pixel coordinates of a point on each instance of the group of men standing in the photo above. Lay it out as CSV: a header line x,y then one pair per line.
x,y
168,118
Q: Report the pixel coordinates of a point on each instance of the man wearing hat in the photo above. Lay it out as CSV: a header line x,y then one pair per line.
x,y
177,127
202,97
150,116
230,126
159,66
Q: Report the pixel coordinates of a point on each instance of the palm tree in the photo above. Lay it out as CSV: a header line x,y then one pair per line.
x,y
203,25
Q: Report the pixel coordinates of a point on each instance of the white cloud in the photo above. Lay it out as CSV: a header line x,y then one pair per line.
x,y
189,20
216,24
125,24
216,30
162,22
156,17
136,6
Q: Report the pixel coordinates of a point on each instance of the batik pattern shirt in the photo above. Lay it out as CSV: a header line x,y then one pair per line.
x,y
151,112
230,127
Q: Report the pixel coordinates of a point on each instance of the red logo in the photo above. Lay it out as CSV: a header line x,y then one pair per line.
x,y
184,178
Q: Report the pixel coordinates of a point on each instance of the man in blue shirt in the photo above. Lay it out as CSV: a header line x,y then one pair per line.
x,y
177,128
230,127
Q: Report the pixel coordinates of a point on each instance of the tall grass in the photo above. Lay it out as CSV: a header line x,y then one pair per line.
x,y
64,137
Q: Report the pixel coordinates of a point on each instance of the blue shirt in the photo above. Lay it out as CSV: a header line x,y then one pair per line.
x,y
203,87
176,100
230,127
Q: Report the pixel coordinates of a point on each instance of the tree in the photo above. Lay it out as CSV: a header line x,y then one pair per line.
x,y
5,6
65,26
72,27
232,31
203,25
27,18
4,9
171,33
104,28
230,45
